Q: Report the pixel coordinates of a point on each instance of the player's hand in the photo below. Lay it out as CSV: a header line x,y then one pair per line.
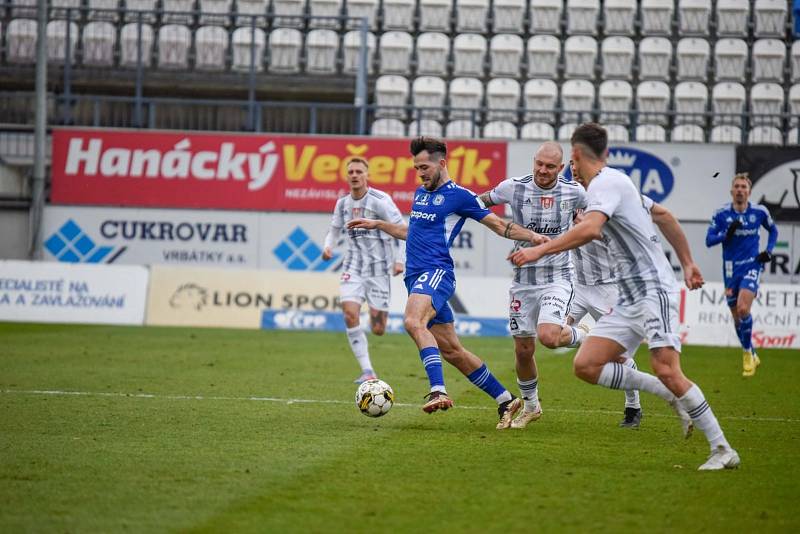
x,y
398,268
525,255
764,256
692,276
538,239
369,224
327,253
735,225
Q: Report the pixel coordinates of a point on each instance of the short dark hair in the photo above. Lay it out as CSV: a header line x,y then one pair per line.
x,y
435,147
592,136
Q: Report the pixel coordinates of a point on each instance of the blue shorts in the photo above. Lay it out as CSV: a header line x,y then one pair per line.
x,y
439,284
744,276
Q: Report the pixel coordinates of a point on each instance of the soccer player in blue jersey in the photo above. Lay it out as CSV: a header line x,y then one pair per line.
x,y
736,225
438,213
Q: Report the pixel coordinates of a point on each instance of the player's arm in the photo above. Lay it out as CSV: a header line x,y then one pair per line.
x,y
334,233
718,232
589,229
766,255
675,236
511,230
486,198
398,230
392,215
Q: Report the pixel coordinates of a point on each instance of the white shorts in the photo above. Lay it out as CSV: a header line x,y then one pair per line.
x,y
653,318
530,306
376,290
595,300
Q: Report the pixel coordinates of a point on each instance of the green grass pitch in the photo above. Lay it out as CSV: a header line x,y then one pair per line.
x,y
116,429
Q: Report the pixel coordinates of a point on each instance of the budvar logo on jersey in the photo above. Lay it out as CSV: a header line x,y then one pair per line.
x,y
651,175
71,244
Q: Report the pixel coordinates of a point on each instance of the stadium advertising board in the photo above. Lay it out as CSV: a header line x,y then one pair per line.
x,y
60,293
247,171
150,236
775,172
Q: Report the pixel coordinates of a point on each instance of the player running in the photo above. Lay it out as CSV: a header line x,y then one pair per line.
x,y
647,306
541,292
736,226
438,213
370,257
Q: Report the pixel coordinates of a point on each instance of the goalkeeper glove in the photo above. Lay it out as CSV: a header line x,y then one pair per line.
x,y
732,229
764,257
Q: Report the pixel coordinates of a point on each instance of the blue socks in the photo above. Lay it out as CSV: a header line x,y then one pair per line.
x,y
485,380
745,331
432,362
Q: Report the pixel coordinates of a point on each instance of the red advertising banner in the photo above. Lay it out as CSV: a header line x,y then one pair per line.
x,y
247,172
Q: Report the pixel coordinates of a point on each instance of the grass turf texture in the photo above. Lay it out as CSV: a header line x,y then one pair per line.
x,y
109,461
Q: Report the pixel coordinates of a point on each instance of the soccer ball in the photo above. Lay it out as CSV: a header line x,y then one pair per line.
x,y
374,398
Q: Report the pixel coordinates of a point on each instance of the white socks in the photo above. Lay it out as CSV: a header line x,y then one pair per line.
x,y
578,335
618,376
632,395
694,402
529,391
358,344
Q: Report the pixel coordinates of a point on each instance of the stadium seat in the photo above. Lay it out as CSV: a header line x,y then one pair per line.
x,y
727,101
247,9
725,134
398,14
469,51
211,47
730,59
99,39
432,52
215,13
434,15
391,91
732,17
508,15
471,15
499,130
425,127
176,11
502,99
693,16
652,102
59,9
244,41
544,52
388,128
795,61
618,133
580,55
770,18
537,131
57,41
465,97
693,54
95,5
545,16
766,104
691,101
505,53
395,52
656,17
321,50
619,17
285,45
363,9
565,130
174,41
351,44
793,136
288,13
325,8
428,92
687,133
582,16
129,45
616,99
794,105
540,99
655,58
617,55
24,9
764,135
650,133
577,100
463,129
140,5
769,56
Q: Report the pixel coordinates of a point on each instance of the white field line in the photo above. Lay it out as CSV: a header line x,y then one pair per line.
x,y
288,401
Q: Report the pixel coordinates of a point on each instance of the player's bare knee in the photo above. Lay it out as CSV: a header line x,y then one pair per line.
x,y
549,339
351,319
413,325
742,310
378,328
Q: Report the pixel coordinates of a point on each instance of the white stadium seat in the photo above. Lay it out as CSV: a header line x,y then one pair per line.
x,y
95,5
505,53
545,16
650,133
434,15
391,91
211,46
388,128
432,51
425,127
730,59
57,41
351,44
793,137
99,39
463,129
693,16
616,99
502,99
321,48
582,16
728,101
652,102
656,16
766,99
177,11
565,131
60,7
687,133
325,8
465,96
174,41
508,15
770,17
577,100
580,55
285,45
246,10
617,55
129,45
769,56
363,9
471,15
618,133
398,14
543,54
24,9
215,12
469,51
655,58
429,92
764,135
395,52
693,54
619,17
537,131
540,99
725,134
243,41
499,130
288,12
691,101
795,59
140,5
732,17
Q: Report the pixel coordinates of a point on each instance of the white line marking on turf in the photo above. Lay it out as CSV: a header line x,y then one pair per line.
x,y
289,401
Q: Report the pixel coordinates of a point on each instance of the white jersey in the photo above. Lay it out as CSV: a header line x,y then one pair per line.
x,y
640,264
593,263
369,252
545,211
